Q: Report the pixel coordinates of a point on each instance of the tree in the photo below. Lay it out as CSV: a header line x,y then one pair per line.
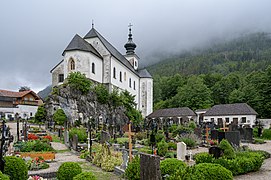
x,y
59,117
79,81
40,114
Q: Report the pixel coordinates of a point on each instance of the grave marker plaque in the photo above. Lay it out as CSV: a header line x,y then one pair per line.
x,y
221,135
181,151
150,167
233,137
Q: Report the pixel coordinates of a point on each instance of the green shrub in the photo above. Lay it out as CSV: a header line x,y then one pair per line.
x,y
4,176
132,171
181,129
147,150
15,168
228,150
81,134
159,137
264,154
191,140
171,155
169,166
68,170
102,93
203,157
122,141
79,81
172,146
211,171
259,141
266,134
192,125
162,148
36,146
85,176
140,135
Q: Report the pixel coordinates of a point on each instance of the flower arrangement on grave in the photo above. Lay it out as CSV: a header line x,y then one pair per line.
x,y
37,163
48,137
32,137
213,142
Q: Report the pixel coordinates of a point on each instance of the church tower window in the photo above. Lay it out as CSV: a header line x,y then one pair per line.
x,y
124,76
130,82
93,68
120,76
134,85
72,64
114,73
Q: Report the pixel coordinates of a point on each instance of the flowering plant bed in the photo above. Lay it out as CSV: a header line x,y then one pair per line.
x,y
44,155
37,164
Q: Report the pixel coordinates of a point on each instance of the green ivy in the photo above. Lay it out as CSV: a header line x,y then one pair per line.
x,y
79,81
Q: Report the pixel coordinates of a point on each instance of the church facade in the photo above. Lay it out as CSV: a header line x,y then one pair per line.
x,y
95,57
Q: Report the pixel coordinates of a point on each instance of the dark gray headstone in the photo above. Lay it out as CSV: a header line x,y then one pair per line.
x,y
233,137
248,134
105,137
215,151
242,133
150,167
221,135
197,131
75,142
233,127
214,134
220,123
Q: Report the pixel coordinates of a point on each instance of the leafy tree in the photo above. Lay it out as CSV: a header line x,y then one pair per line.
x,y
40,114
79,81
59,117
102,93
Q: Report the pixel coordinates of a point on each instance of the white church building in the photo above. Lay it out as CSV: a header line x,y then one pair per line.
x,y
95,57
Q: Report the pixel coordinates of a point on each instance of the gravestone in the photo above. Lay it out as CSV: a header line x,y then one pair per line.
x,y
233,137
248,134
75,142
242,133
214,134
150,167
233,127
220,123
221,135
215,151
66,137
105,137
125,159
181,151
197,131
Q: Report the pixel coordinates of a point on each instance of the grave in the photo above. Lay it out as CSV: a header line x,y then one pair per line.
x,y
197,131
150,167
105,137
233,137
75,142
221,135
233,127
248,134
214,134
66,137
181,151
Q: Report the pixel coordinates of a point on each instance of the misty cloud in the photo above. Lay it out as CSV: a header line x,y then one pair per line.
x,y
34,33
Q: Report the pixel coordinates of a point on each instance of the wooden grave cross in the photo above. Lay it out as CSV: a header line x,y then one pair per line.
x,y
224,127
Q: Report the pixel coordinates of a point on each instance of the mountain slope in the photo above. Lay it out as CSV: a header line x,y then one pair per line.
x,y
245,54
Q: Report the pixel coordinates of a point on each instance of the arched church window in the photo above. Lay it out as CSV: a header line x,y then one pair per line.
x,y
130,82
93,68
114,73
120,76
72,64
124,76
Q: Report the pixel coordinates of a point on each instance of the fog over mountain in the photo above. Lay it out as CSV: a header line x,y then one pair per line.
x,y
35,33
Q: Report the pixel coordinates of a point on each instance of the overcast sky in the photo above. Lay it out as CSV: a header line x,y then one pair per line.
x,y
35,33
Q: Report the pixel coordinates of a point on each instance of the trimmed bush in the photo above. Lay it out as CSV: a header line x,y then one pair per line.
x,y
227,149
36,146
211,171
4,176
85,176
159,137
81,134
169,166
203,157
162,148
68,170
132,171
266,134
172,145
15,168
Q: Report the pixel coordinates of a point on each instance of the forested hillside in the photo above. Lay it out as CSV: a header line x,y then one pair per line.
x,y
236,71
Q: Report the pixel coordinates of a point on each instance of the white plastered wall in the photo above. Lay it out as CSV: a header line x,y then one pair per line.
x,y
146,96
250,119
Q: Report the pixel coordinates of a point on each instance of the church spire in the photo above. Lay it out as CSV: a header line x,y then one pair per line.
x,y
130,45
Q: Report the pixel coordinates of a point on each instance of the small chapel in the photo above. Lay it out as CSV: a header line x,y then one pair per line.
x,y
101,62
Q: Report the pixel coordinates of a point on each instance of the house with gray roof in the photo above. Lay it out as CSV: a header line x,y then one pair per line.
x,y
101,62
238,113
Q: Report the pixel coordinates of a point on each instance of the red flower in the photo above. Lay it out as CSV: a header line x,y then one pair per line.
x,y
49,138
32,137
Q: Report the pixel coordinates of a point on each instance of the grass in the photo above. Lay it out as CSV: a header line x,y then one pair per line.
x,y
63,151
57,139
98,172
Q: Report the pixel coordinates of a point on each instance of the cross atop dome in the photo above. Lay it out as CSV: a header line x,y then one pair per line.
x,y
130,45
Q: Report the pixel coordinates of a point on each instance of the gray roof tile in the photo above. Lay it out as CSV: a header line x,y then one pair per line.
x,y
143,73
231,109
78,43
172,112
